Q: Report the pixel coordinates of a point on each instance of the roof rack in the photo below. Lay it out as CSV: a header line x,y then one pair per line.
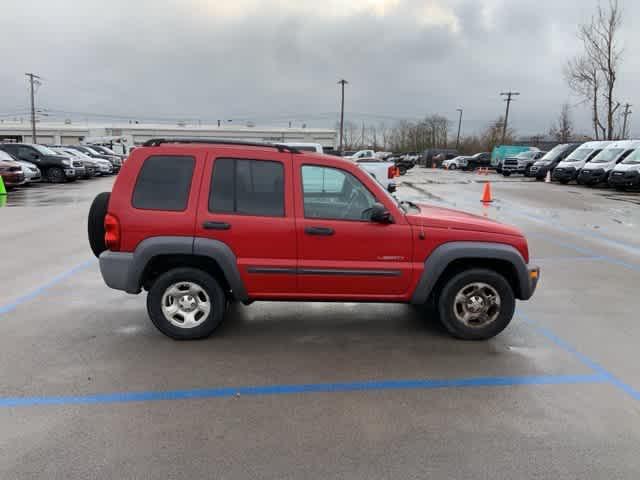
x,y
155,142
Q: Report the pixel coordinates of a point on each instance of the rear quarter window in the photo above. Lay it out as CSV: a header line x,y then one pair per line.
x,y
164,183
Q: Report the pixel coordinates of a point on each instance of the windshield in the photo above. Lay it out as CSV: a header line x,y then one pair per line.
x,y
44,150
633,158
102,149
579,155
607,155
527,154
90,150
554,153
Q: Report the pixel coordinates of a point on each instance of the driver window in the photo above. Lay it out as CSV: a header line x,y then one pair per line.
x,y
330,193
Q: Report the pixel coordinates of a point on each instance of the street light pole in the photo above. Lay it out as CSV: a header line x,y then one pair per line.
x,y
459,127
342,82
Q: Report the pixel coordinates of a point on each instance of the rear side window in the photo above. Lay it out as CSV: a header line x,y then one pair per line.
x,y
164,183
248,187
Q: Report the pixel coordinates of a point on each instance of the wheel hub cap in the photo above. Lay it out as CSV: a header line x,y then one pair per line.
x,y
477,305
186,304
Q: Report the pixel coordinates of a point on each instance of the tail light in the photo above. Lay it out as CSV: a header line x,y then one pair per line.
x,y
112,232
391,171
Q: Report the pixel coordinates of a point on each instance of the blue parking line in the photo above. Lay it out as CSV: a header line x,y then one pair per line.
x,y
289,389
44,287
586,361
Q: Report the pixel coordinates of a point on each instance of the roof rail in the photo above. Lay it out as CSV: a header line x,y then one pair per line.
x,y
154,142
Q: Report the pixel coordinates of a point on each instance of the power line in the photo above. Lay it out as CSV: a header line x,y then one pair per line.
x,y
509,99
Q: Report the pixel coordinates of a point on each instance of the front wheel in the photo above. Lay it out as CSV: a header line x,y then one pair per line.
x,y
506,174
452,166
186,304
564,182
476,304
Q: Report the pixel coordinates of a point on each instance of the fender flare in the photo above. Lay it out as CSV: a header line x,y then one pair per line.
x,y
437,262
214,249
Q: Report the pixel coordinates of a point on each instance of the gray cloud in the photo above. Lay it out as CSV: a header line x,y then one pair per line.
x,y
271,63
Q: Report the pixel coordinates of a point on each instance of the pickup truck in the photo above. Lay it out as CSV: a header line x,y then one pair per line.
x,y
384,172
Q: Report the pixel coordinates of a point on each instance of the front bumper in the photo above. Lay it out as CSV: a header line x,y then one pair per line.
x,y
564,174
592,177
624,179
539,171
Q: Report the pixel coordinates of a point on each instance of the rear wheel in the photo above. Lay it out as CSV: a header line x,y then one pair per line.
x,y
95,223
564,182
186,304
452,166
476,305
55,175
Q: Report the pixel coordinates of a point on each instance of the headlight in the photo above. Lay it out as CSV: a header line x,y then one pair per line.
x,y
66,162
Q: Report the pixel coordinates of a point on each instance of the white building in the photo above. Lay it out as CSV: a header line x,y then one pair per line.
x,y
137,133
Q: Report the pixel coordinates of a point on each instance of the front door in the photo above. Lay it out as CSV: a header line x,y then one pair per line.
x,y
342,254
247,203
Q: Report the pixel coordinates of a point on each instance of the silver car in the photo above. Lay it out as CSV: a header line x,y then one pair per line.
x,y
103,167
32,173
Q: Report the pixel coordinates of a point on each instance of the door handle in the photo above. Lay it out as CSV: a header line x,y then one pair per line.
x,y
323,231
216,226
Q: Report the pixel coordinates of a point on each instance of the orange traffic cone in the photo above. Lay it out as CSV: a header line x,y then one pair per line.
x,y
486,193
547,179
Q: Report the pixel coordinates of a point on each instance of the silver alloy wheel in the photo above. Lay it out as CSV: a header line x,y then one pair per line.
x,y
476,305
186,304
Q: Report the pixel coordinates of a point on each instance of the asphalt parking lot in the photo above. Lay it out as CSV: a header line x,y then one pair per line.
x,y
90,389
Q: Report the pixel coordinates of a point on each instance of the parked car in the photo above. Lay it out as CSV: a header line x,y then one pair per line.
x,y
500,152
55,168
521,163
436,156
90,167
116,162
327,230
598,170
479,160
461,162
570,167
103,167
551,159
626,174
31,172
104,150
10,171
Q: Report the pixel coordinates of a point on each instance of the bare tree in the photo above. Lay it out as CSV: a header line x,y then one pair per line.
x,y
562,129
598,66
583,77
492,135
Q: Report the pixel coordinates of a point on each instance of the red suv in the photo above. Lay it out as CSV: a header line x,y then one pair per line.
x,y
199,224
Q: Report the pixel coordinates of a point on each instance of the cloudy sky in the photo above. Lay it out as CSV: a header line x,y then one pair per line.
x,y
271,61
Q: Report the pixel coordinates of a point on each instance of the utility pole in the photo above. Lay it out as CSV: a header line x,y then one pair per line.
x,y
33,79
459,127
509,99
626,114
362,145
342,82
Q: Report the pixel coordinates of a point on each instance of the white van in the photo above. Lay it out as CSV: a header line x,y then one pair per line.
x,y
568,169
627,173
598,169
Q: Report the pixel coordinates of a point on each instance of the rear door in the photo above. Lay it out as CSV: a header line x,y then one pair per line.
x,y
247,203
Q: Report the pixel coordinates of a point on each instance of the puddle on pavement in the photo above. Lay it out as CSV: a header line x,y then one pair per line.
x,y
44,196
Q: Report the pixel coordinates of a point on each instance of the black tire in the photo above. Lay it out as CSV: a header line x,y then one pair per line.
x,y
56,175
446,304
217,299
539,179
452,166
506,174
564,182
95,223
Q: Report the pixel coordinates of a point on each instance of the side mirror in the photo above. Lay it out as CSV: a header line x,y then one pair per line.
x,y
379,214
